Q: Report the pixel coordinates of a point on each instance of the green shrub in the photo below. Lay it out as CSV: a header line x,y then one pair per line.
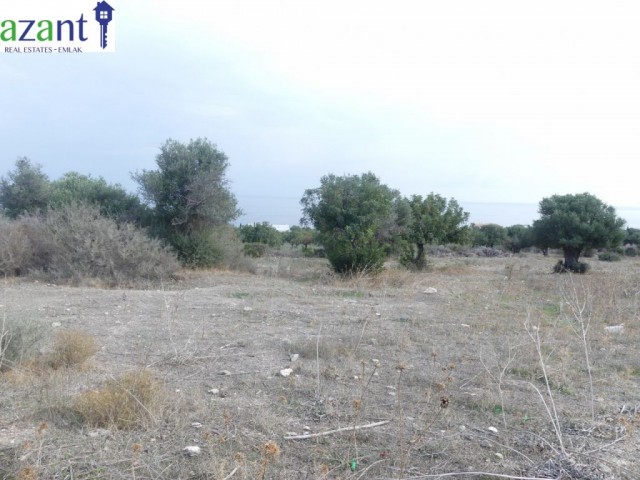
x,y
577,267
355,251
261,233
609,257
255,250
631,251
218,247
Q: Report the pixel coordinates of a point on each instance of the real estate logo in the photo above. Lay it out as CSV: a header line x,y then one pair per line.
x,y
64,27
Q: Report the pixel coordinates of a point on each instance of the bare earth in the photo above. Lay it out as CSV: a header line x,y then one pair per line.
x,y
456,373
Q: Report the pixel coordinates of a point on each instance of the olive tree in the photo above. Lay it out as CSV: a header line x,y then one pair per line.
x,y
26,189
575,223
434,220
352,215
190,197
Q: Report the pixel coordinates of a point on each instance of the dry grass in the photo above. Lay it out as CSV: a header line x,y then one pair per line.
x,y
71,348
133,400
503,344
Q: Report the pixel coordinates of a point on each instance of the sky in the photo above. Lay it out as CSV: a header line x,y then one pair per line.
x,y
495,103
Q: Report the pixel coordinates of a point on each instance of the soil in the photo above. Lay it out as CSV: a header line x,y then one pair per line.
x,y
447,357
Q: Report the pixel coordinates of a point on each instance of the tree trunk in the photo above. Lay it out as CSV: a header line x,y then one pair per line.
x,y
419,261
571,256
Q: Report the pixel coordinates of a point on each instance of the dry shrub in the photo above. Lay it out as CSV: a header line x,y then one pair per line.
x,y
88,245
76,243
23,245
70,348
231,250
131,401
20,339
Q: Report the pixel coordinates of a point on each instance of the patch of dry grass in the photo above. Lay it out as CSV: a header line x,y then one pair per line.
x,y
71,348
130,401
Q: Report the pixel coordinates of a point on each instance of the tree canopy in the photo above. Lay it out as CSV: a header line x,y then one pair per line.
x,y
574,223
351,214
25,189
433,220
113,200
189,191
190,197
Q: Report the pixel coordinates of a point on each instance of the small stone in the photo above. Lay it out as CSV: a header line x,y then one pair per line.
x,y
56,324
462,428
224,372
306,428
100,432
214,391
493,429
431,290
247,309
285,372
191,451
294,357
196,424
498,455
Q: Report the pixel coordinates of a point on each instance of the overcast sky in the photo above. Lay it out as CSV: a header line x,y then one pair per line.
x,y
495,103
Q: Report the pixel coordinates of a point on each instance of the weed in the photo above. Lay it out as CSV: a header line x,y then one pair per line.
x,y
131,401
71,348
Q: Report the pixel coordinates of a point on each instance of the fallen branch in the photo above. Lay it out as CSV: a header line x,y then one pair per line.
x,y
231,474
331,432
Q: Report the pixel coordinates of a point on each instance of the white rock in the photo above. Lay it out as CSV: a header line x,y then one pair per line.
x,y
247,309
191,451
614,329
196,424
493,429
285,372
224,372
431,290
498,455
56,324
294,357
214,391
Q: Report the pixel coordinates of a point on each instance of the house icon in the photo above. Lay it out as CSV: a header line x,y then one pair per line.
x,y
104,13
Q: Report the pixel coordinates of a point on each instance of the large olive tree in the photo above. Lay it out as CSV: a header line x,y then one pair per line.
x,y
190,196
574,223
